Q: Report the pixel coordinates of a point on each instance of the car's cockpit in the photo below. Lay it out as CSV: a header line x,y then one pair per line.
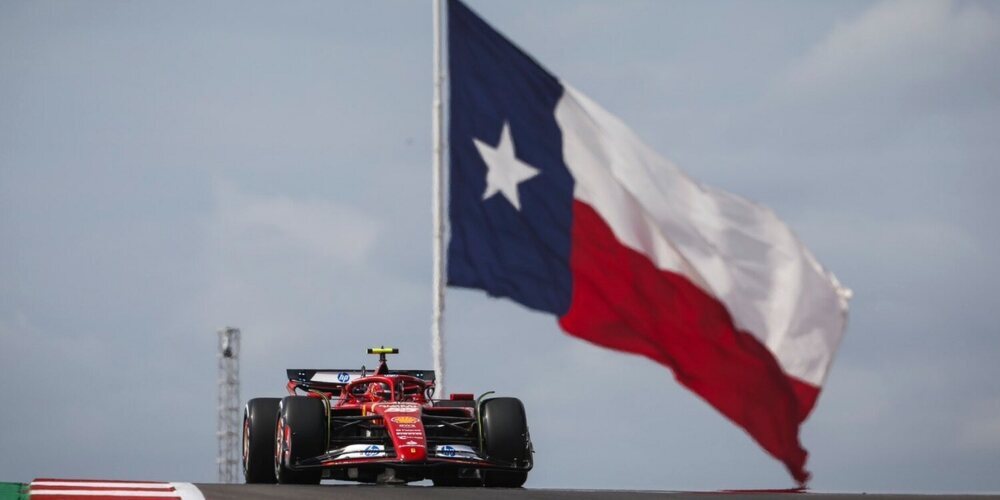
x,y
385,388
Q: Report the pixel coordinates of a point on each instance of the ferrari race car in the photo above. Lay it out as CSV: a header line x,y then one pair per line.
x,y
383,427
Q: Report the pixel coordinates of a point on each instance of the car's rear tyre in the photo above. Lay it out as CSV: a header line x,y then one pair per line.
x,y
259,417
505,440
300,432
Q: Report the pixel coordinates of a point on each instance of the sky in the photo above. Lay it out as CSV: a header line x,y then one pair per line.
x,y
169,168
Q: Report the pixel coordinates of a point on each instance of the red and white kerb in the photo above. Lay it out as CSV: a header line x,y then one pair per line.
x,y
96,489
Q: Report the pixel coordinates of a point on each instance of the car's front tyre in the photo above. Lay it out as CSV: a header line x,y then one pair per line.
x,y
300,433
259,417
505,440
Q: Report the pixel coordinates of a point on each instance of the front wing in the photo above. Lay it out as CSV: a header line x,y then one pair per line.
x,y
378,455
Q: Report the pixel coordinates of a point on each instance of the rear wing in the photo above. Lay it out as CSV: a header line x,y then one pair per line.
x,y
334,377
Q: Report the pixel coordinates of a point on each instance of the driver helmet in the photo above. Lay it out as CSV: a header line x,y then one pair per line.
x,y
378,391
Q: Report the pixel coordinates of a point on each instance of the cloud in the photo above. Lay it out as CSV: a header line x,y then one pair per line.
x,y
908,42
278,265
337,233
899,75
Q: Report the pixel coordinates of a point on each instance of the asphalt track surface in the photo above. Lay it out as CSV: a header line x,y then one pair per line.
x,y
369,492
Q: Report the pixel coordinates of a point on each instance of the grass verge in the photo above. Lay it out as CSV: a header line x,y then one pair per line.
x,y
13,491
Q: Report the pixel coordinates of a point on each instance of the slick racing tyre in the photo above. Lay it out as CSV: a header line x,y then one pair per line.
x,y
299,433
259,417
505,440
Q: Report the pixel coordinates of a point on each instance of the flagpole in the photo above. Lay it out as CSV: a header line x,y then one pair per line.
x,y
437,318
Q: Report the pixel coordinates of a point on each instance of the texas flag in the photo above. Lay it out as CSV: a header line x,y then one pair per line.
x,y
557,205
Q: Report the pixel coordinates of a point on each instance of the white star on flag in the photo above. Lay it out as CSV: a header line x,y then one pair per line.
x,y
505,170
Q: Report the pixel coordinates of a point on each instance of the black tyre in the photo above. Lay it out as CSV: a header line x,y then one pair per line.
x,y
300,433
259,417
505,440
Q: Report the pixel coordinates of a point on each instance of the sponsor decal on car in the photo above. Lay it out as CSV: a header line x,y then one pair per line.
x,y
456,451
361,451
406,419
334,377
400,408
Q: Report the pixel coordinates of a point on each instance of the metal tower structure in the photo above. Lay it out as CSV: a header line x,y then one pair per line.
x,y
229,429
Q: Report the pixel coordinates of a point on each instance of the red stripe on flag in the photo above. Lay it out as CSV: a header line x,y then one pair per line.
x,y
807,394
622,301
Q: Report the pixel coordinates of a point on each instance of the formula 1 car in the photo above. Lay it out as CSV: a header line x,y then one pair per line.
x,y
383,427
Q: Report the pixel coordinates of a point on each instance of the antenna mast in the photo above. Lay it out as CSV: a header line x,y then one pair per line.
x,y
228,429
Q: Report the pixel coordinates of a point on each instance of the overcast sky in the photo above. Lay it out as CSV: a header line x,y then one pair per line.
x,y
167,168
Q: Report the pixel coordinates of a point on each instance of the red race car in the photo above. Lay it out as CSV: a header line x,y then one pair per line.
x,y
384,427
